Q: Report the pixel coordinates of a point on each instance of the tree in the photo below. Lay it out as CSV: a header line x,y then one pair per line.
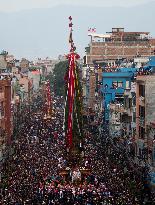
x,y
57,78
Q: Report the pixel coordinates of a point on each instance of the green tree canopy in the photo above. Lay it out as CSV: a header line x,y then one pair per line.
x,y
57,78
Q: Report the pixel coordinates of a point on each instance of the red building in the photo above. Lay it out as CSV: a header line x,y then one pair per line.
x,y
5,109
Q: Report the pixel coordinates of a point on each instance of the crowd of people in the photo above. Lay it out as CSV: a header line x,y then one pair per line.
x,y
32,174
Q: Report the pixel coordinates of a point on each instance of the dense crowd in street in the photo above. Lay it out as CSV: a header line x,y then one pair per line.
x,y
39,155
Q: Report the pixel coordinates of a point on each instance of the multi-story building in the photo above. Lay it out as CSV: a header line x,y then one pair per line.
x,y
114,86
145,113
122,116
92,80
115,123
3,63
89,85
5,104
36,78
47,63
92,86
85,86
6,128
151,143
24,65
118,44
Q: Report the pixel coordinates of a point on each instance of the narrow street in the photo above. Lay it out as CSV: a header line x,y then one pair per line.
x,y
32,174
77,102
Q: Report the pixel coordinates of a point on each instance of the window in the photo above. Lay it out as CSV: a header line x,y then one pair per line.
x,y
120,84
142,90
127,84
134,117
134,100
130,102
141,132
2,109
114,30
117,84
114,84
142,111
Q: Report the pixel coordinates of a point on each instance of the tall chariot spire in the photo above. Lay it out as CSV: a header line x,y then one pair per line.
x,y
73,101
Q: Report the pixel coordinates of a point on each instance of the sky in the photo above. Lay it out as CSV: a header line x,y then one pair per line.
x,y
18,5
39,28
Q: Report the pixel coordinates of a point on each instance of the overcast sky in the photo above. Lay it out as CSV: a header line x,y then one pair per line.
x,y
18,5
44,32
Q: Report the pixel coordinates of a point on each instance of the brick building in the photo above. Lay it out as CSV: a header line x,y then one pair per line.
x,y
91,77
117,45
5,108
